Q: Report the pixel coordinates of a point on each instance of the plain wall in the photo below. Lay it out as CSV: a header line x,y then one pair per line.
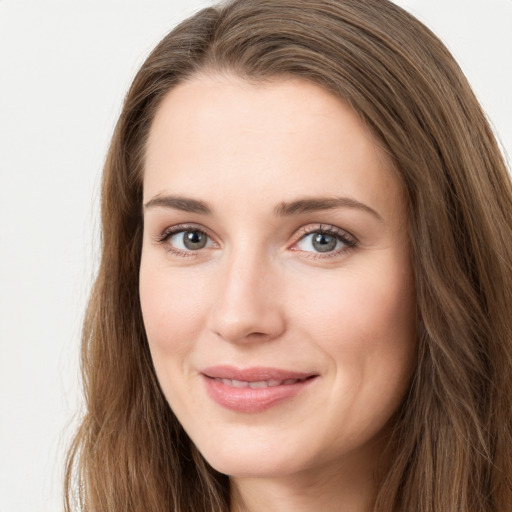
x,y
64,69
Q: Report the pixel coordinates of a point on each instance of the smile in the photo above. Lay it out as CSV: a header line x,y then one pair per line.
x,y
253,390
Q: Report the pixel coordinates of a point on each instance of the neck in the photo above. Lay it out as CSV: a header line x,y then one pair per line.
x,y
331,489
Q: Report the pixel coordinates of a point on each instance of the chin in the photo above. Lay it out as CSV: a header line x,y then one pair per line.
x,y
251,461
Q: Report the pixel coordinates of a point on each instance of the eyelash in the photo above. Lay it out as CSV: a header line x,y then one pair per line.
x,y
174,230
349,241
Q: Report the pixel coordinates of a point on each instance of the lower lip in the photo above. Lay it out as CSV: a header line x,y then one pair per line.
x,y
251,400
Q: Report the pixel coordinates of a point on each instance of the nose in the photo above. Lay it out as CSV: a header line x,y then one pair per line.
x,y
247,306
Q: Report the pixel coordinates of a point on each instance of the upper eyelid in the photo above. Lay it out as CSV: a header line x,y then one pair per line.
x,y
178,228
325,228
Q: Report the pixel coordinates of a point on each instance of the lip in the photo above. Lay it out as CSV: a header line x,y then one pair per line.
x,y
254,389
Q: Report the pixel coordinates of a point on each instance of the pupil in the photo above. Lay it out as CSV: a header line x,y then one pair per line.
x,y
194,240
323,242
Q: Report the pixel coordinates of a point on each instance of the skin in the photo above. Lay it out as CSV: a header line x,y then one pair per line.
x,y
260,294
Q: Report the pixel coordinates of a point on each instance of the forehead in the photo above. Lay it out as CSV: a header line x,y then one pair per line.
x,y
222,137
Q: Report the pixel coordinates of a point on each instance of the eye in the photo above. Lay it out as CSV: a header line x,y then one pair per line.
x,y
185,239
191,240
325,240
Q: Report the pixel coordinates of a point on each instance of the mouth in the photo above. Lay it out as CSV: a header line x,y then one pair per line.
x,y
259,384
253,390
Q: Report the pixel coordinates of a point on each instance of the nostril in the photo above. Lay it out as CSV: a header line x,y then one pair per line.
x,y
250,336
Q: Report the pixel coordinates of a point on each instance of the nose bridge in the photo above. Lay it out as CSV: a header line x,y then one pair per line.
x,y
246,302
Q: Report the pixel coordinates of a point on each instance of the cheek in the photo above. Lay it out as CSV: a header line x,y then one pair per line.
x,y
357,304
365,326
364,321
172,309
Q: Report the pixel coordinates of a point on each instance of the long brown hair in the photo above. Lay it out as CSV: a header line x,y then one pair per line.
x,y
452,441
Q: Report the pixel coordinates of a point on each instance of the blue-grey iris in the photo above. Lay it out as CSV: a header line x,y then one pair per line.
x,y
323,242
194,240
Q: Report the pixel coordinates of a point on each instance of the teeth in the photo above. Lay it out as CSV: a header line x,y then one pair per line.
x,y
257,384
239,383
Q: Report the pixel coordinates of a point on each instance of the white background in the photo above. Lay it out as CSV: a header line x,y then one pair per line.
x,y
64,68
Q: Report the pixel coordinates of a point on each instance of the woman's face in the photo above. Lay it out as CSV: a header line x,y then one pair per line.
x,y
275,281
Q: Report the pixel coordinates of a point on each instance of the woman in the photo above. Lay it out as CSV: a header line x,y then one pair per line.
x,y
304,295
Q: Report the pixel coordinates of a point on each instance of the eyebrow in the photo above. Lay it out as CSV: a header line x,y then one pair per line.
x,y
314,204
185,204
284,209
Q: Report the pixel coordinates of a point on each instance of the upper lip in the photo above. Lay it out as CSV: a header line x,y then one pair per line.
x,y
254,374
